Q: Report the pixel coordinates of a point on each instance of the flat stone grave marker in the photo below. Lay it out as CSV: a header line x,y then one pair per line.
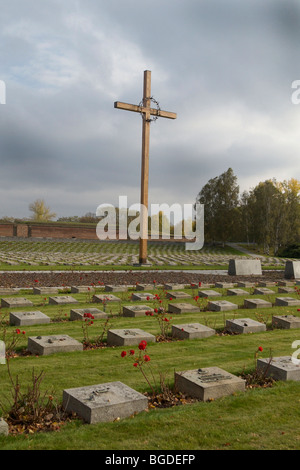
x,y
221,306
178,295
136,310
183,308
144,287
45,345
286,283
209,293
280,368
209,383
104,402
286,302
17,302
106,298
28,318
3,427
244,325
119,288
62,300
257,303
245,284
237,292
145,296
174,286
224,285
81,289
285,290
286,322
241,267
263,291
128,337
78,314
292,270
192,331
266,283
9,290
45,290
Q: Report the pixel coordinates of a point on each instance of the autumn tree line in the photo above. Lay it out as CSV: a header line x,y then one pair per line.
x,y
267,215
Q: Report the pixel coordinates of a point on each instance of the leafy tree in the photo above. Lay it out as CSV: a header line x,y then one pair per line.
x,y
41,212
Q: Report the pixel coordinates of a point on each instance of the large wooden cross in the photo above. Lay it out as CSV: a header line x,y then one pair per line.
x,y
146,111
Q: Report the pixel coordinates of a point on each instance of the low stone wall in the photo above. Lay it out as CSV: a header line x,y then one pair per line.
x,y
48,231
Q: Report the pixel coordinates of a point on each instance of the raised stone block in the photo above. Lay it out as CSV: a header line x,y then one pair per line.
x,y
237,292
174,286
128,337
18,302
292,270
104,402
245,325
246,284
280,368
9,290
224,285
81,289
28,318
192,331
286,302
103,298
209,293
285,290
3,427
117,288
221,306
266,283
136,310
257,303
209,383
263,291
144,296
286,283
178,295
286,322
78,314
45,290
244,267
45,345
144,287
183,308
62,300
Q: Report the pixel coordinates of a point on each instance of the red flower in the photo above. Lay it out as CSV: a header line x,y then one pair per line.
x,y
171,298
260,348
131,352
123,353
200,284
36,280
148,298
142,345
135,364
146,358
18,331
23,332
155,310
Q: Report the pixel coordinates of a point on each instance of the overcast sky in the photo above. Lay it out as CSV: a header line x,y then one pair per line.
x,y
225,67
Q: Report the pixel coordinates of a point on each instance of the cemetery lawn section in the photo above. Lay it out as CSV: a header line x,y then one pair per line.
x,y
259,418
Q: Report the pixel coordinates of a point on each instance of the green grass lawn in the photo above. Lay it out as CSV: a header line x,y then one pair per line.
x,y
259,418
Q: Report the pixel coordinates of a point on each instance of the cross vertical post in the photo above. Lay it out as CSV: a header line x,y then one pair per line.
x,y
146,111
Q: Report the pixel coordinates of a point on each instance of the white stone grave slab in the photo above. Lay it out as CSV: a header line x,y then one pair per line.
x,y
116,288
45,290
209,293
82,289
286,290
266,283
183,308
286,302
78,314
286,283
280,368
144,296
263,291
192,331
128,337
103,298
62,300
104,402
292,270
245,325
224,285
246,284
144,287
237,292
9,290
174,286
286,322
45,345
136,310
18,302
178,295
28,318
208,383
221,306
257,303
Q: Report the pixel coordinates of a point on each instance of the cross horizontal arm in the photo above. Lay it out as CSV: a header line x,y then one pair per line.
x,y
142,109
